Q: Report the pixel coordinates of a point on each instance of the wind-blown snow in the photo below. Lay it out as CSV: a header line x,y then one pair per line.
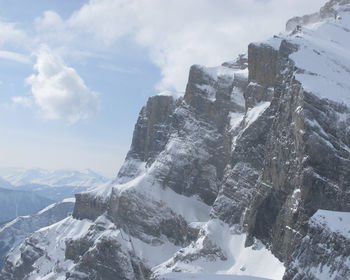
x,y
221,71
173,94
324,58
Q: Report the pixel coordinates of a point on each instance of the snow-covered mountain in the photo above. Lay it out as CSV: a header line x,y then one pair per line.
x,y
14,232
55,185
55,178
246,174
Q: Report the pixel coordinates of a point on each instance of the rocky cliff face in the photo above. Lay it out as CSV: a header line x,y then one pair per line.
x,y
226,179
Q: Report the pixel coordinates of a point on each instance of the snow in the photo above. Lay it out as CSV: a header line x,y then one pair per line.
x,y
334,221
217,71
254,113
70,199
200,276
221,71
52,239
191,208
14,232
273,42
130,169
56,178
254,261
237,96
323,59
103,191
295,200
324,56
235,119
250,117
174,94
154,254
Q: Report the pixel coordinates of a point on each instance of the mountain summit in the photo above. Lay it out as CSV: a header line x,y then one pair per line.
x,y
247,174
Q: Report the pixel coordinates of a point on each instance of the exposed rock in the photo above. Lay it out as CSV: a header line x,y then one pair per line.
x,y
247,156
262,64
325,250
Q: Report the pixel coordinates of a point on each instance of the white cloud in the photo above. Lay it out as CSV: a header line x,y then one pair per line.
x,y
179,33
59,91
18,57
22,101
9,34
176,33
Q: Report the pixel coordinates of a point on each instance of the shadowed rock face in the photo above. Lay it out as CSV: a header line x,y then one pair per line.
x,y
87,208
152,128
106,261
249,143
262,64
297,177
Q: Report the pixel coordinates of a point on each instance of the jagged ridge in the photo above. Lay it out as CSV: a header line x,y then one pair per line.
x,y
243,158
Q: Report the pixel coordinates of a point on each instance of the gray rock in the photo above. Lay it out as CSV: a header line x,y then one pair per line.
x,y
262,152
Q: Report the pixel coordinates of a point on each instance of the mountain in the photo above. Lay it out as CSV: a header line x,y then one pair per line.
x,y
55,185
14,203
246,174
52,193
14,232
5,184
54,178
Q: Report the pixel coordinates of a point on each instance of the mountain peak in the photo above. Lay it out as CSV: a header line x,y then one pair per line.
x,y
331,10
233,178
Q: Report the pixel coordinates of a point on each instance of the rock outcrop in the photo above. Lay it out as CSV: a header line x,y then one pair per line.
x,y
227,178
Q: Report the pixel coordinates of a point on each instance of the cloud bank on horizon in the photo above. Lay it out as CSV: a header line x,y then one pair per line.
x,y
176,34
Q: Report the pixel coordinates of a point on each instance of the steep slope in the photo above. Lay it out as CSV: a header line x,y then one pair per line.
x,y
14,232
227,179
307,156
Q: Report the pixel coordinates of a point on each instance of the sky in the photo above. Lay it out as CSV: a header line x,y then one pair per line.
x,y
75,74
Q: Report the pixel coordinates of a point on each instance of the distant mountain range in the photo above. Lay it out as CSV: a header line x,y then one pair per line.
x,y
26,191
54,178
